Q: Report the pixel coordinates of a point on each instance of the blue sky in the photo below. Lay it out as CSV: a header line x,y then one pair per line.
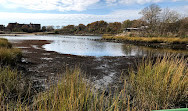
x,y
64,12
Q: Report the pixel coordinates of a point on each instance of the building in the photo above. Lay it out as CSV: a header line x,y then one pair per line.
x,y
131,29
24,27
135,29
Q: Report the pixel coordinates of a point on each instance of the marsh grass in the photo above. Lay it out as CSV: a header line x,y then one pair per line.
x,y
73,93
5,43
8,55
170,40
158,84
10,87
161,85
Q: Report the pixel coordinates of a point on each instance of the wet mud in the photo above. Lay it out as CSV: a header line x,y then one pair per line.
x,y
44,68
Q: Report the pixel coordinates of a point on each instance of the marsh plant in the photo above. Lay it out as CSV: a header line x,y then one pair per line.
x,y
158,84
8,55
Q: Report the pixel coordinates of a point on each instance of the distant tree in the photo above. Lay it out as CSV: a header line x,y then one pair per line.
x,y
49,28
114,28
43,28
98,27
151,16
70,29
183,29
127,24
168,18
81,27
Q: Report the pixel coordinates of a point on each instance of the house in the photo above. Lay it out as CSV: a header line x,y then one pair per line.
x,y
135,29
131,29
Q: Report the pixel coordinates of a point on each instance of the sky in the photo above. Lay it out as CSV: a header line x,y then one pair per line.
x,y
66,12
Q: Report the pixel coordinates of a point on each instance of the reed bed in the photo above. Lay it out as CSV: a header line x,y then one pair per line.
x,y
170,40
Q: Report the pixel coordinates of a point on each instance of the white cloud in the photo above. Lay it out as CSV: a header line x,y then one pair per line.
x,y
128,2
61,5
183,10
66,19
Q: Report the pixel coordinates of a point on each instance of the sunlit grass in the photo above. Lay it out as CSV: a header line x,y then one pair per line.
x,y
158,84
8,55
162,85
73,93
148,39
5,43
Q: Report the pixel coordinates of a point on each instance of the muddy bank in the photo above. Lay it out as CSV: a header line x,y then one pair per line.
x,y
43,67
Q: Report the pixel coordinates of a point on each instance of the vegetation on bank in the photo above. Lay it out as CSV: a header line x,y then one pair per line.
x,y
4,43
8,55
169,40
155,85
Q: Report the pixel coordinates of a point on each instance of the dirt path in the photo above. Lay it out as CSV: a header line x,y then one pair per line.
x,y
43,67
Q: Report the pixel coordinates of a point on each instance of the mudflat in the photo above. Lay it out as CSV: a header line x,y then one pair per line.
x,y
44,68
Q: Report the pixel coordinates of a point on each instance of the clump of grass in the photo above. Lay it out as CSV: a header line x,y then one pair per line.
x,y
8,80
170,40
161,85
9,87
73,93
5,43
9,56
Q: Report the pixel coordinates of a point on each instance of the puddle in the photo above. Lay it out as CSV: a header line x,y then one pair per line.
x,y
105,81
22,47
46,54
45,58
35,46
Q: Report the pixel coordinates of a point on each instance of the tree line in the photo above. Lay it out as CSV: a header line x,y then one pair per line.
x,y
155,20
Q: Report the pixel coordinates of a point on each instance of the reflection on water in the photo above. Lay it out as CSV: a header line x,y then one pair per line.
x,y
142,50
86,46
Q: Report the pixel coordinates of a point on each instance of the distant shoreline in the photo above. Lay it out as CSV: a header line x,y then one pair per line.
x,y
46,33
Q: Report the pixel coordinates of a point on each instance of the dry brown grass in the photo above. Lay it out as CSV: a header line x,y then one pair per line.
x,y
149,39
5,43
162,85
8,55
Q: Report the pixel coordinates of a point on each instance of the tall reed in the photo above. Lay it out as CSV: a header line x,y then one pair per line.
x,y
161,85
